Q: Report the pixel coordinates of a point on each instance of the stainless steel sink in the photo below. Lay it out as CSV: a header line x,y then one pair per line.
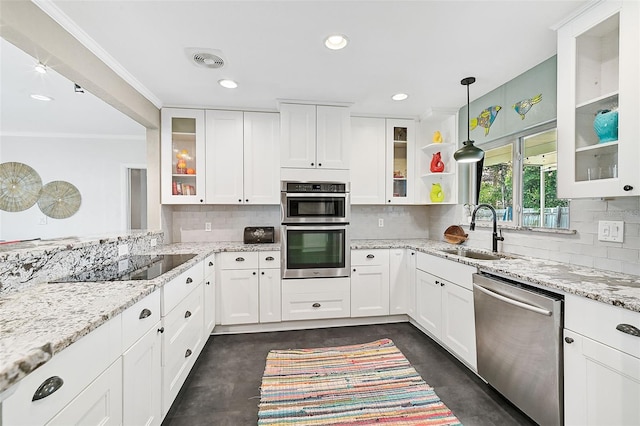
x,y
479,255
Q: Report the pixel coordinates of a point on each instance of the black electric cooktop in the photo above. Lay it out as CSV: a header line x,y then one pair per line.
x,y
136,267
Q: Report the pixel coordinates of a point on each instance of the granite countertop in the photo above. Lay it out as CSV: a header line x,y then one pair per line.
x,y
44,319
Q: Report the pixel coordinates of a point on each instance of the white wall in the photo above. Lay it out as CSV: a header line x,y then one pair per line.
x,y
93,164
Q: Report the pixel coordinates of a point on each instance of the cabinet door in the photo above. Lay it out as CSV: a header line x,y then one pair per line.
x,y
99,404
224,154
261,158
370,291
368,154
182,156
333,130
399,281
429,303
298,136
458,322
239,296
411,268
141,387
601,384
598,68
270,296
209,304
400,173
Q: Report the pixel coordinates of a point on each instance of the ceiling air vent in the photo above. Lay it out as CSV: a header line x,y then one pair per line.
x,y
206,58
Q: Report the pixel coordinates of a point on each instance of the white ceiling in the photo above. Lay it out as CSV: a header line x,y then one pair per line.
x,y
274,49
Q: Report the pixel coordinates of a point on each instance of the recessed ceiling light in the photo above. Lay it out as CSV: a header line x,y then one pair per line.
x,y
336,41
399,96
41,68
41,97
229,84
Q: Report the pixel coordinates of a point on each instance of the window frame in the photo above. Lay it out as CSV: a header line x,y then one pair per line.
x,y
516,140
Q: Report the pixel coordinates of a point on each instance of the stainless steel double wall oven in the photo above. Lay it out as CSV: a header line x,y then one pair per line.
x,y
315,229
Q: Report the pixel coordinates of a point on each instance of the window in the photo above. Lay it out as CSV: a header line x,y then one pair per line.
x,y
519,179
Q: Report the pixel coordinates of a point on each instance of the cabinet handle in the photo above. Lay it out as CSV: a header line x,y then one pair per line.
x,y
189,280
144,314
208,283
188,353
354,269
262,272
254,273
370,256
316,305
312,164
627,187
388,201
48,387
201,200
187,314
628,329
413,253
319,164
269,258
161,330
239,200
210,263
246,201
239,259
569,340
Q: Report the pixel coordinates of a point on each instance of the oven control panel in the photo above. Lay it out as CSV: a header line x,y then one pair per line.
x,y
315,187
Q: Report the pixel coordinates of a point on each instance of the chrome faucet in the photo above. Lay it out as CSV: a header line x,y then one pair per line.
x,y
495,238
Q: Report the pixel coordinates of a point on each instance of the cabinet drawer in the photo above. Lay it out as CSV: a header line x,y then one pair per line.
x,y
178,288
77,366
375,257
455,272
181,345
598,321
269,259
139,318
315,299
209,265
238,260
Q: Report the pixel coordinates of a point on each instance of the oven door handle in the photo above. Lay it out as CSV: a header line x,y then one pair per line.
x,y
511,301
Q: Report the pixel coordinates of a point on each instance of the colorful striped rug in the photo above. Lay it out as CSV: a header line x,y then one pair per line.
x,y
372,383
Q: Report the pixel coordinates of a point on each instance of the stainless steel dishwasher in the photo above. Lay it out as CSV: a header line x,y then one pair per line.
x,y
518,340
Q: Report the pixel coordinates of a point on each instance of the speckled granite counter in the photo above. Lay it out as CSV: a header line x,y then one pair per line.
x,y
43,319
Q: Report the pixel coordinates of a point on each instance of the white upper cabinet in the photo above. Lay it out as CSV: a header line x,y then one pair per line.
x,y
314,136
262,158
598,69
224,154
182,160
369,159
400,170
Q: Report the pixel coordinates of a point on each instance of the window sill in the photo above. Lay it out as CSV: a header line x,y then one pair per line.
x,y
488,225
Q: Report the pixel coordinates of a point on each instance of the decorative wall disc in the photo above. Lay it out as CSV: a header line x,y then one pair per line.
x,y
20,187
59,199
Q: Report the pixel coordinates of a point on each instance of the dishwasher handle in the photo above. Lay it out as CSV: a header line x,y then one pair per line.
x,y
512,302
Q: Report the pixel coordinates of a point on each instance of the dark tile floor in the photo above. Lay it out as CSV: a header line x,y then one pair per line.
x,y
224,386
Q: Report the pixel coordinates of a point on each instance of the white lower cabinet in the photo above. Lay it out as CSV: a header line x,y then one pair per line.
x,y
317,298
209,294
400,274
68,386
444,308
100,404
369,282
601,364
249,287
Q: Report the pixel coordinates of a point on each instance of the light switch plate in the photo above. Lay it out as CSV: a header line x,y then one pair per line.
x,y
611,230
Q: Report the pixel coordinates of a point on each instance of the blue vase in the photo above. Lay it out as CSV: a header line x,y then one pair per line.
x,y
606,125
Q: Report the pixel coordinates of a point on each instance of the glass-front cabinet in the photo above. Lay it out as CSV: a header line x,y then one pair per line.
x,y
182,156
400,161
598,102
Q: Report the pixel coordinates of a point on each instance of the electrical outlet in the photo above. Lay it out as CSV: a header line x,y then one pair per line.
x,y
154,242
207,226
123,250
380,223
611,230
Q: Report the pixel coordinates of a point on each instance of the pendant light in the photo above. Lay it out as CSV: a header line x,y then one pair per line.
x,y
468,153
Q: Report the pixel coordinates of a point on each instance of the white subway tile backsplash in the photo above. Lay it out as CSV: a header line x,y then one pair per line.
x,y
623,254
